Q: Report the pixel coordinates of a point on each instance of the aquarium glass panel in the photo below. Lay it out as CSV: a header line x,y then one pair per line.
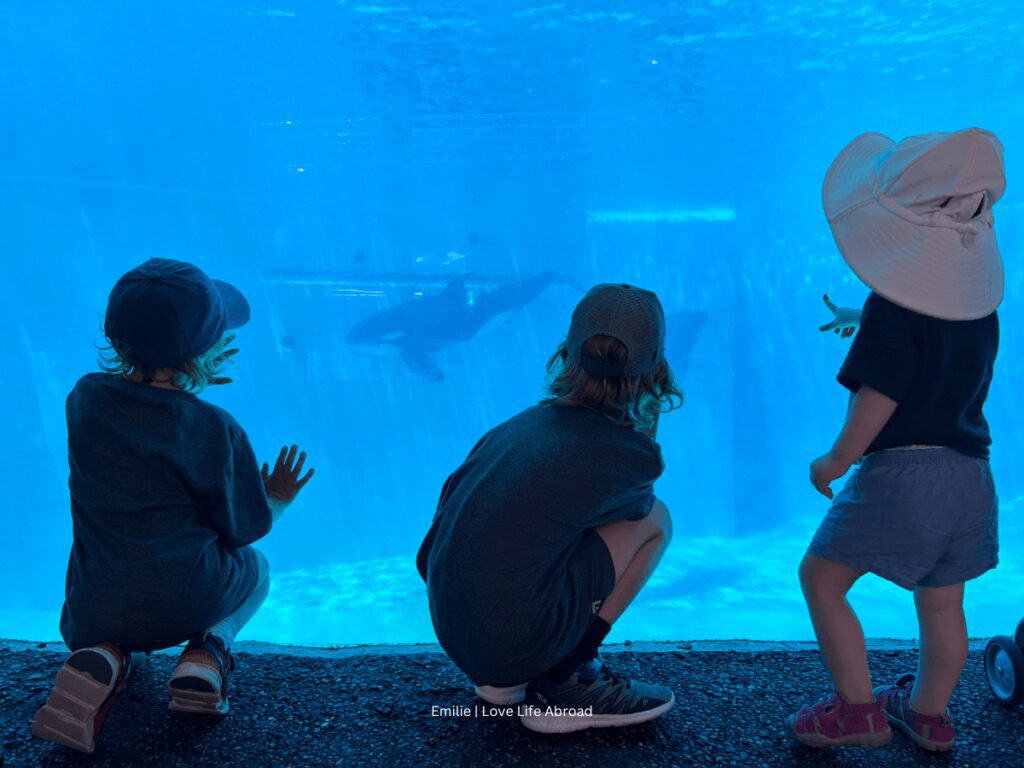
x,y
414,195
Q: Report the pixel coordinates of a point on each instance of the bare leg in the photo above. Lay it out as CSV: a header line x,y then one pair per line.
x,y
840,636
940,613
636,547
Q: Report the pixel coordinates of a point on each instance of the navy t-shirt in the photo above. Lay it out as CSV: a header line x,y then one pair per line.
x,y
937,371
496,559
166,494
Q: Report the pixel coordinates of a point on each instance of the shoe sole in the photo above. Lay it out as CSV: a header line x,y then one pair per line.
x,y
923,743
501,697
193,689
568,724
819,741
70,713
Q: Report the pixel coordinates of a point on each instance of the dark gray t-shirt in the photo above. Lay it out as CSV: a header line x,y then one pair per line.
x,y
166,494
496,559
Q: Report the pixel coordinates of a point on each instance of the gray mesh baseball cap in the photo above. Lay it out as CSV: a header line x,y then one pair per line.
x,y
632,315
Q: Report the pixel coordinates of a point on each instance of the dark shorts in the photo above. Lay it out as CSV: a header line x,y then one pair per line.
x,y
220,591
589,578
497,646
923,517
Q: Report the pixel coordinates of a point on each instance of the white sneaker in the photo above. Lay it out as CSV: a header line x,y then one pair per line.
x,y
502,697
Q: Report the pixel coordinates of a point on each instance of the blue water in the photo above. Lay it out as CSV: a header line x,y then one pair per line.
x,y
335,159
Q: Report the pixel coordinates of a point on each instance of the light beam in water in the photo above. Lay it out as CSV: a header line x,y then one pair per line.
x,y
656,217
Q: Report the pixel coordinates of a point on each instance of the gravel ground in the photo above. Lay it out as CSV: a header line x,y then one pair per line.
x,y
376,710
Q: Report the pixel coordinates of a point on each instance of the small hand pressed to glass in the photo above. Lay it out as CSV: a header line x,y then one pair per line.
x,y
284,483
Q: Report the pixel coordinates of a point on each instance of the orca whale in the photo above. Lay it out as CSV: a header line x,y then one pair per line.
x,y
418,328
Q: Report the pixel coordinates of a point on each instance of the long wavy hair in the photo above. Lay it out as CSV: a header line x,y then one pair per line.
x,y
192,375
633,401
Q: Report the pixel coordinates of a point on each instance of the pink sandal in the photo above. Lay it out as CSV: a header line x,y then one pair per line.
x,y
834,723
932,732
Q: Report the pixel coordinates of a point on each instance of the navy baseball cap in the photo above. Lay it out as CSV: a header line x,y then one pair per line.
x,y
167,312
632,315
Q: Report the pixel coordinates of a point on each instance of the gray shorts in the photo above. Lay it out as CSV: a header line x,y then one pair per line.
x,y
917,517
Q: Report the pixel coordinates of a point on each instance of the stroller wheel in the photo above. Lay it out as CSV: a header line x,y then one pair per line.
x,y
1004,667
1018,636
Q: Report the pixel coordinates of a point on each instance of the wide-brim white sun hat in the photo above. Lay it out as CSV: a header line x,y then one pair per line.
x,y
913,219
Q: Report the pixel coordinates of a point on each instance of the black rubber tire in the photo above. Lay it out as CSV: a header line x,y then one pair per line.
x,y
1004,669
1018,636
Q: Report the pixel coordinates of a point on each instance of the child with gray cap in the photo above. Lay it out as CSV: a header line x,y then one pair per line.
x,y
914,221
550,528
166,499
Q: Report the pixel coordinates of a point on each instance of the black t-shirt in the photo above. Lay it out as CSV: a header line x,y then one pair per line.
x,y
938,372
510,518
165,493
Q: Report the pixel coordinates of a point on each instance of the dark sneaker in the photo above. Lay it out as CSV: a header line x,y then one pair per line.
x,y
200,681
932,732
592,697
85,689
834,723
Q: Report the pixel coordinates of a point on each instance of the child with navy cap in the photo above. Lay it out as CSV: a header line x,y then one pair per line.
x,y
914,221
550,528
166,500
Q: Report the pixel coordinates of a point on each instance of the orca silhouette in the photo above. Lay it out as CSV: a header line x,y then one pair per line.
x,y
420,327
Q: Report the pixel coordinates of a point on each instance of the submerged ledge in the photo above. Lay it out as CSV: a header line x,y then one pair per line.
x,y
372,705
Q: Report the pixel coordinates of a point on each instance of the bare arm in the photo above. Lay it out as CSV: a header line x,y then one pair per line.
x,y
869,412
277,508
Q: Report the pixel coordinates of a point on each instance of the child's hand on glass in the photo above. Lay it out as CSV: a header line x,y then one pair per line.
x,y
825,469
283,484
845,319
224,356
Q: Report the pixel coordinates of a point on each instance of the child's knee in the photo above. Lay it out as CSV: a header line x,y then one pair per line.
x,y
661,519
262,570
816,581
805,574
